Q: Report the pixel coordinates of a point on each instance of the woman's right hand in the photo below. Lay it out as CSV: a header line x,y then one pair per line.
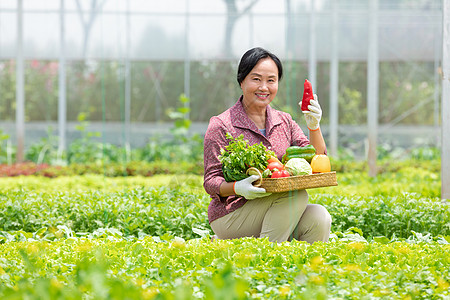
x,y
314,114
246,189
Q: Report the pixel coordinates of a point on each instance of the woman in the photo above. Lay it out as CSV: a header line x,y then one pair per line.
x,y
238,209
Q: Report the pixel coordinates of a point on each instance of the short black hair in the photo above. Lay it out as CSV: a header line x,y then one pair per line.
x,y
251,58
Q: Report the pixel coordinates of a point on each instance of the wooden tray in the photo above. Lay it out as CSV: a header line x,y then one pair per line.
x,y
275,185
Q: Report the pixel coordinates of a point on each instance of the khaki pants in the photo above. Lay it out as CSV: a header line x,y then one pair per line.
x,y
280,217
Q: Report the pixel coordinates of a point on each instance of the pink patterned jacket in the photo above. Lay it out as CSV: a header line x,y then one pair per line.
x,y
281,132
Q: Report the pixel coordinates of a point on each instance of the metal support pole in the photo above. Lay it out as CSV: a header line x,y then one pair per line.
x,y
334,80
437,81
20,87
372,88
187,62
289,39
127,78
62,116
312,65
445,153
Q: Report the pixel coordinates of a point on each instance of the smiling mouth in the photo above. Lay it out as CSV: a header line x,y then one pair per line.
x,y
262,96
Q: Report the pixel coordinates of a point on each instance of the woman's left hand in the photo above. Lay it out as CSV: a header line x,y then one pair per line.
x,y
314,114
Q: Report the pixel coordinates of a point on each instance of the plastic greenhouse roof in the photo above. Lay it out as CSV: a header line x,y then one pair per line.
x,y
197,32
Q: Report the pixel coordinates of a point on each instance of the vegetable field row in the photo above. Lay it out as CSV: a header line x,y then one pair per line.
x,y
97,237
177,206
238,269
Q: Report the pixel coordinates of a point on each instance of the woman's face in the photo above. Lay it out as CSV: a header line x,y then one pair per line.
x,y
260,86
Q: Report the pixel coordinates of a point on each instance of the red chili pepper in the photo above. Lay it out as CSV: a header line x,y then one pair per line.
x,y
307,95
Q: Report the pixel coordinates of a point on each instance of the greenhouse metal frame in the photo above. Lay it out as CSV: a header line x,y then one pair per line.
x,y
315,35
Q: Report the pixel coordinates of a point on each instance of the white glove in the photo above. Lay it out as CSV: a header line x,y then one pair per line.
x,y
314,114
246,189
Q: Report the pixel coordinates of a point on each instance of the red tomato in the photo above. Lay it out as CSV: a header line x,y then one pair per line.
x,y
275,165
276,174
285,173
272,159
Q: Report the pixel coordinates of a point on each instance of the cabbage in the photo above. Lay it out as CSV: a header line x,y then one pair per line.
x,y
298,166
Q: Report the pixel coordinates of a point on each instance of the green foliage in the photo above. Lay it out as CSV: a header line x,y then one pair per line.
x,y
75,278
248,268
399,85
426,154
393,216
386,153
353,109
180,148
188,150
407,179
426,158
161,211
84,149
99,237
102,237
132,168
393,204
97,87
73,184
5,149
239,155
7,90
181,117
40,90
46,151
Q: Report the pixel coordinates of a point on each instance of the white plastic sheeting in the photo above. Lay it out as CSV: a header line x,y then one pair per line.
x,y
97,29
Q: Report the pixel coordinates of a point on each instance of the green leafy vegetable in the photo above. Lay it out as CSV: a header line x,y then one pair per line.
x,y
248,268
238,156
96,237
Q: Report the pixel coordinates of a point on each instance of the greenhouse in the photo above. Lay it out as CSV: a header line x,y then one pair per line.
x,y
105,107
